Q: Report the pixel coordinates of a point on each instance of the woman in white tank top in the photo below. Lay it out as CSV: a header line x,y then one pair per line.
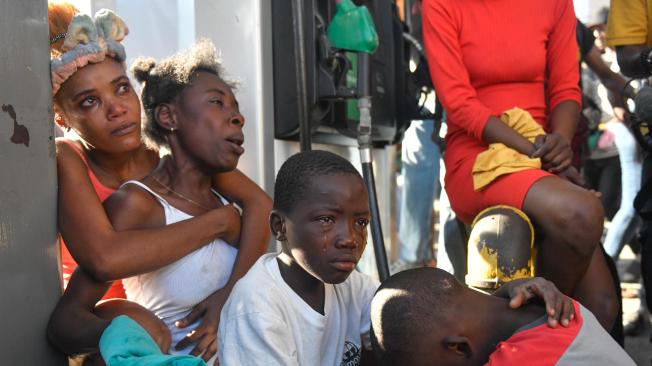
x,y
192,112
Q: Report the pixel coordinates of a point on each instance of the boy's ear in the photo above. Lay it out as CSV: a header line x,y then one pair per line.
x,y
164,115
458,344
277,225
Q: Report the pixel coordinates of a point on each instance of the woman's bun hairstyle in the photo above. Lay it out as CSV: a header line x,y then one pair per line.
x,y
59,17
142,68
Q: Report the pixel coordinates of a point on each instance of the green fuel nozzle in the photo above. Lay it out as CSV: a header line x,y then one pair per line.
x,y
352,28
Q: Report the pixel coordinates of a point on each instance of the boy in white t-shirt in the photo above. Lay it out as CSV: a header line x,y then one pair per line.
x,y
306,305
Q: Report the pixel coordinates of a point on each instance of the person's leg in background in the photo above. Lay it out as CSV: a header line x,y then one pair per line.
x,y
451,251
603,175
610,186
631,183
646,232
420,170
646,261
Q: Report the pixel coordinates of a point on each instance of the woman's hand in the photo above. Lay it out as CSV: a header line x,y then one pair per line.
x,y
555,152
572,175
205,335
559,307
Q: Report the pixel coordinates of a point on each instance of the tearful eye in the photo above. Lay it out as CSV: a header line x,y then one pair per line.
x,y
326,220
363,222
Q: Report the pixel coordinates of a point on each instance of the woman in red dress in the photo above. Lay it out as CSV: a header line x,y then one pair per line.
x,y
486,57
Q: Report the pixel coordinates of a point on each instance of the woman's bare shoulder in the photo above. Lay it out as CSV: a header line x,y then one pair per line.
x,y
68,151
131,207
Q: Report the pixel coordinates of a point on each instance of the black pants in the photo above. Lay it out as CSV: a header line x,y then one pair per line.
x,y
603,175
643,203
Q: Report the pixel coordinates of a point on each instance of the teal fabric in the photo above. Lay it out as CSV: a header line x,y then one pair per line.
x,y
125,343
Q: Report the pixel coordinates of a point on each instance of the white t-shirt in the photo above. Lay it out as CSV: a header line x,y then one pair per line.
x,y
264,322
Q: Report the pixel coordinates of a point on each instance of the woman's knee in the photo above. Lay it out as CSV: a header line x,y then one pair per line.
x,y
579,222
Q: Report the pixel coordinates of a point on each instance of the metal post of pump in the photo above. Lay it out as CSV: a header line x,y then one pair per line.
x,y
365,145
352,29
305,134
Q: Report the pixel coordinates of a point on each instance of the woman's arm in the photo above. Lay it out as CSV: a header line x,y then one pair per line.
x,y
73,327
441,20
562,90
109,255
562,73
256,207
77,324
614,82
452,82
629,59
497,131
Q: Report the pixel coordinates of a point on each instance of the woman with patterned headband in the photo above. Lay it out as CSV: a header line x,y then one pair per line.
x,y
93,96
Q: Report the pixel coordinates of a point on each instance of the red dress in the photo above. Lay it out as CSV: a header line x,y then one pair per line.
x,y
487,56
68,263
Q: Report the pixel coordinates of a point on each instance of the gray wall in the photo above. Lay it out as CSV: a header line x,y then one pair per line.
x,y
29,278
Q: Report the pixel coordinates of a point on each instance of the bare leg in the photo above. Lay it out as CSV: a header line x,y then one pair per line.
x,y
597,292
571,219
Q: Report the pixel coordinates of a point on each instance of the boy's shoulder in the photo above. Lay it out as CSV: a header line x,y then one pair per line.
x,y
259,290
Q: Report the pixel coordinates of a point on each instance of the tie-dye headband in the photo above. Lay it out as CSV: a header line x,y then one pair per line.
x,y
88,41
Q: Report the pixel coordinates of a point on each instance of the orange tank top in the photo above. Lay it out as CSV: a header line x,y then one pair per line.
x,y
67,262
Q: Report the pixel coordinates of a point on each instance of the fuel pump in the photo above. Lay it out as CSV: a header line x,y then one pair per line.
x,y
333,59
352,29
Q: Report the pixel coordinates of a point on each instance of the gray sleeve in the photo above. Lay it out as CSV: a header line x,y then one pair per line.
x,y
593,346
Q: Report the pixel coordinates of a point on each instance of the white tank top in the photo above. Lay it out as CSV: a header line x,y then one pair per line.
x,y
172,291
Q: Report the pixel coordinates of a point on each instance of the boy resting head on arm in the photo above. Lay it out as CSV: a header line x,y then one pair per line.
x,y
424,317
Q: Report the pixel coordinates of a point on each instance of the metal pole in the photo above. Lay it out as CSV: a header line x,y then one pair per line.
x,y
305,138
365,145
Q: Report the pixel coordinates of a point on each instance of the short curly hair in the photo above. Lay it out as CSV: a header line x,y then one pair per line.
x,y
407,307
295,177
164,81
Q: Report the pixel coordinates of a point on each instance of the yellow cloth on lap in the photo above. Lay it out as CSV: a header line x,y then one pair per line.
x,y
499,159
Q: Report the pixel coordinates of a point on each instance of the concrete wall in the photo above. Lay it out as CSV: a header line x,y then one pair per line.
x,y
29,276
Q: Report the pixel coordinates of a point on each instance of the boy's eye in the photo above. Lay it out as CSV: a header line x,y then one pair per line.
x,y
326,219
217,102
88,102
